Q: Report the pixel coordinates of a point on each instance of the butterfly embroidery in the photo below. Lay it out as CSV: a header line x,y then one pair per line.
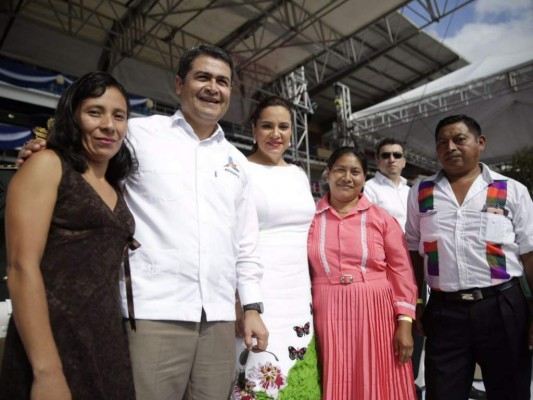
x,y
302,330
294,352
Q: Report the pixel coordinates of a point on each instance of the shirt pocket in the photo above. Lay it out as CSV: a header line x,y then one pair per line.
x,y
225,190
496,228
161,180
156,273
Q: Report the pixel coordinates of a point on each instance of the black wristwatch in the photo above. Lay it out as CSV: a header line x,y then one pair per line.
x,y
254,306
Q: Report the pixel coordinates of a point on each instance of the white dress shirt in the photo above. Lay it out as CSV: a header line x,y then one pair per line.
x,y
381,191
461,232
196,221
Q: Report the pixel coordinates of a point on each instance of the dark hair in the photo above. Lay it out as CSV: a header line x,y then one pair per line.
x,y
341,151
269,101
190,55
472,125
387,142
66,136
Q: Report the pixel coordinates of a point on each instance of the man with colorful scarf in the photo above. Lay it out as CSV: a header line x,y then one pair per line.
x,y
470,235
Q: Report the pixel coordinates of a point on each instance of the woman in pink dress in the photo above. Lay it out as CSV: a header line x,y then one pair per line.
x,y
364,292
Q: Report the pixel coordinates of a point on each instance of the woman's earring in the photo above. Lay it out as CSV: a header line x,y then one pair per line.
x,y
254,141
290,144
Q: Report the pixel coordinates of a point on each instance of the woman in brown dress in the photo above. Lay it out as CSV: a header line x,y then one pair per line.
x,y
67,226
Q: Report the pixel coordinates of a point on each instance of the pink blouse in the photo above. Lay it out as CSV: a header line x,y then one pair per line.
x,y
366,244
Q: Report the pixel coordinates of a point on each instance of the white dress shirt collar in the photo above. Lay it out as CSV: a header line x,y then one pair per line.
x,y
179,120
383,179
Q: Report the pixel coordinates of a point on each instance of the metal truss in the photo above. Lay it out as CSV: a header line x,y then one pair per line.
x,y
482,89
354,52
141,29
128,27
294,88
346,132
446,101
343,106
292,21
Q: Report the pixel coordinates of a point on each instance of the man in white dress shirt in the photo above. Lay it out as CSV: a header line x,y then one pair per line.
x,y
197,224
388,189
470,234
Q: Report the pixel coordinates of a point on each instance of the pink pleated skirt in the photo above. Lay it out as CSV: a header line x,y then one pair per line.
x,y
355,325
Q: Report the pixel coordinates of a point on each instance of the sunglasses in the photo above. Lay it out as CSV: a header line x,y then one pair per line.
x,y
386,155
243,359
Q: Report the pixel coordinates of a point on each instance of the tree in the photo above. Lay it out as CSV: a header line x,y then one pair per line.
x,y
521,167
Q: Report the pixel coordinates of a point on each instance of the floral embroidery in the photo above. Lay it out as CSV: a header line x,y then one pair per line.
x,y
269,378
244,394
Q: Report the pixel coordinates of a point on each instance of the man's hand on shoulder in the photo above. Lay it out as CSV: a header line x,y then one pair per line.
x,y
30,147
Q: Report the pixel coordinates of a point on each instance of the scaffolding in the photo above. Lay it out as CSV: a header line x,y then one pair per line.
x,y
293,87
447,101
348,132
343,107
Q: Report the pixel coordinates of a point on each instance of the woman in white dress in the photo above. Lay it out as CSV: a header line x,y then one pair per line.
x,y
285,208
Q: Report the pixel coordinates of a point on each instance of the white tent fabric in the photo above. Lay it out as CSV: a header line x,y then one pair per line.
x,y
505,113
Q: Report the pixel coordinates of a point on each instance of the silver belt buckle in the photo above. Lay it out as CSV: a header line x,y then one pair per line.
x,y
346,279
467,296
472,296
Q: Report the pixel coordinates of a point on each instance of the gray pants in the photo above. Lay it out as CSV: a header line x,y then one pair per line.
x,y
175,360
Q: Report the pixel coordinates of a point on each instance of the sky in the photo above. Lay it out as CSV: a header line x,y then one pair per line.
x,y
487,27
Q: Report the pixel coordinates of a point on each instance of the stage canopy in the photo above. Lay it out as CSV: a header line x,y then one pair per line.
x,y
497,92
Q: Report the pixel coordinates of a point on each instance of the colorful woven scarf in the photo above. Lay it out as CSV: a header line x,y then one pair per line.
x,y
425,196
496,198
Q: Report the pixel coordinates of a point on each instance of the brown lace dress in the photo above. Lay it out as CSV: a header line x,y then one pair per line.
x,y
80,268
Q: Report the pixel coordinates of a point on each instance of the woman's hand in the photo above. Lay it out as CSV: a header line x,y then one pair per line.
x,y
50,386
403,341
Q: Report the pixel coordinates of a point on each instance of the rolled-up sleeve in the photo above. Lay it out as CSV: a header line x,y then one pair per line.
x,y
412,226
523,219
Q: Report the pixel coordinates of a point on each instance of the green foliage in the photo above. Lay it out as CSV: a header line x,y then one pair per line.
x,y
303,379
521,167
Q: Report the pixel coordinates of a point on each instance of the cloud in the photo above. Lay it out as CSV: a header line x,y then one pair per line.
x,y
488,8
478,40
499,27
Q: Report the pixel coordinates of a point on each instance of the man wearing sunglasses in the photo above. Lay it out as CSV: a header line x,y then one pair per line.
x,y
388,189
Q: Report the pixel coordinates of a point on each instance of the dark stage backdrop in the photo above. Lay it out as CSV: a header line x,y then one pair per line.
x,y
5,176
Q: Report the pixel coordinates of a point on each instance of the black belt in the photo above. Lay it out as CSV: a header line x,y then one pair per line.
x,y
475,294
